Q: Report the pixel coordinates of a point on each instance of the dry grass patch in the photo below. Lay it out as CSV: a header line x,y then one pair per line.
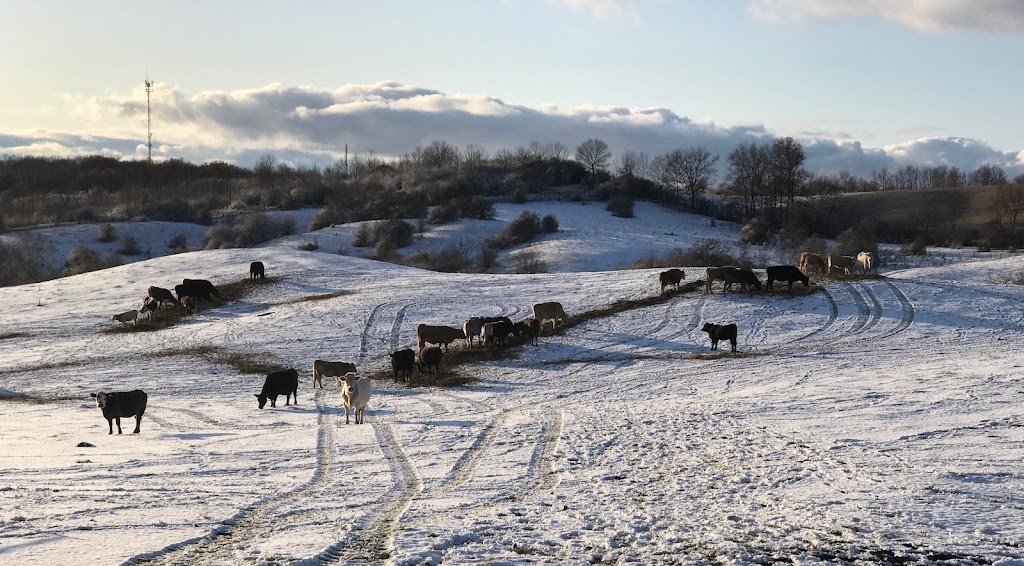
x,y
255,363
317,297
717,355
10,335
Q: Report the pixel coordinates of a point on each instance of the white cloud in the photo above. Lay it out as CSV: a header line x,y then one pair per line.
x,y
309,125
988,16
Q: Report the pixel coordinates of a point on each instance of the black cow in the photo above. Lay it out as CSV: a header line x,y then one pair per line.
x,y
720,332
787,273
429,356
280,383
402,362
198,288
529,328
117,404
256,270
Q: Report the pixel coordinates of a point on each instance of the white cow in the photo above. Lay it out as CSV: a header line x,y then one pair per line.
x,y
866,261
127,316
355,394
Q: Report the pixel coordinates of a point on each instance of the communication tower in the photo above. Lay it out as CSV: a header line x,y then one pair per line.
x,y
149,119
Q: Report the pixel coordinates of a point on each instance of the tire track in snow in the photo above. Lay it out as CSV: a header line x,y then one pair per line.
x,y
467,463
909,312
373,543
255,522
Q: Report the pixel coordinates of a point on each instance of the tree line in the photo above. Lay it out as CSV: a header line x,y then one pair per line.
x,y
438,182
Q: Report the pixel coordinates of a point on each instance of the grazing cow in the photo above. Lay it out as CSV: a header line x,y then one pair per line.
x,y
126,317
117,404
745,277
844,262
336,370
256,270
198,288
809,260
549,311
190,304
487,333
529,327
720,332
355,394
402,362
443,335
715,274
866,261
502,325
162,296
149,307
472,328
787,273
280,383
671,277
429,357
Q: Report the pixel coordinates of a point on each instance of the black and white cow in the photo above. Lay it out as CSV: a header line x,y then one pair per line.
x,y
117,404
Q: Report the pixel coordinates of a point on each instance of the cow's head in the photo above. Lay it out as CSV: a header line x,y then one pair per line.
x,y
101,399
263,400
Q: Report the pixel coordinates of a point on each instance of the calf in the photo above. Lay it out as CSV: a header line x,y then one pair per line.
x,y
720,332
280,383
529,328
429,357
119,404
355,394
402,363
126,317
844,262
149,307
814,261
787,273
256,270
190,304
671,277
866,260
337,370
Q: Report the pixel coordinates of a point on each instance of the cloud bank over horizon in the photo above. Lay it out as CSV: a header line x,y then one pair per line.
x,y
306,125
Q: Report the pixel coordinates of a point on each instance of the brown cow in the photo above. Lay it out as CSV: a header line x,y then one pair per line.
x,y
161,296
715,274
671,277
809,260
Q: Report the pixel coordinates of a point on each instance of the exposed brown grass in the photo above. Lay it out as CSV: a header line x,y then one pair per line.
x,y
251,363
317,297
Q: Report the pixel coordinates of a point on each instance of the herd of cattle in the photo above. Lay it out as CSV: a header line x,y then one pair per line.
x,y
433,340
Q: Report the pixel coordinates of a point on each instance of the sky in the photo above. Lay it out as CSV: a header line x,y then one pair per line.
x,y
862,84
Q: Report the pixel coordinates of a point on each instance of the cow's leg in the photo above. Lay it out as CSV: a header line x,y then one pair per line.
x,y
110,423
118,419
346,414
733,344
138,424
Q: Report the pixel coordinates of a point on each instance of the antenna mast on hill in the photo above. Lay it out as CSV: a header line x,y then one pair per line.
x,y
149,119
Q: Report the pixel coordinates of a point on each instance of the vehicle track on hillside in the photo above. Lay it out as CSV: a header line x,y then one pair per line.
x,y
256,522
373,539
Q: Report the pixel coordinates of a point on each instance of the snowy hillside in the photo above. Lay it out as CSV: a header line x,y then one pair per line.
x,y
875,420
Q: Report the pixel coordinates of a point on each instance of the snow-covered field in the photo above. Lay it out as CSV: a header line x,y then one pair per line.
x,y
875,421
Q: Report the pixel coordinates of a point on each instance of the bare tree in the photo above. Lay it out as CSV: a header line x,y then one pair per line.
x,y
474,156
688,171
594,155
264,170
440,155
787,170
748,175
1008,208
634,164
988,175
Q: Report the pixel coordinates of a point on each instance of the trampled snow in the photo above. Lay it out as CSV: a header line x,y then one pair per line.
x,y
876,420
